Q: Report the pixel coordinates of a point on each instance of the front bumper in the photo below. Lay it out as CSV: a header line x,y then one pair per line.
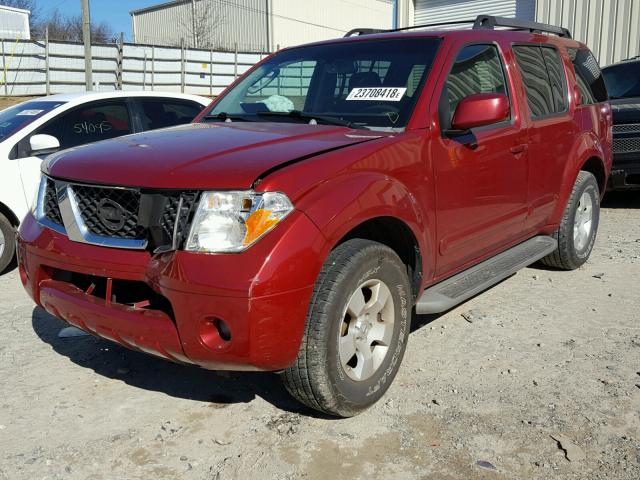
x,y
625,173
261,295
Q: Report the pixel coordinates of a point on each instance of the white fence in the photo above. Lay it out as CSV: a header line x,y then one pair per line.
x,y
41,67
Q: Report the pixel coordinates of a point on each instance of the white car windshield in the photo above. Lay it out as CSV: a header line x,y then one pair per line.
x,y
19,116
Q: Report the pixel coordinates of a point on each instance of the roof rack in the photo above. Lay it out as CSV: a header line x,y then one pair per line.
x,y
480,22
490,22
364,31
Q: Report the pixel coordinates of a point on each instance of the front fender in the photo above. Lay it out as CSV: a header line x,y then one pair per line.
x,y
338,206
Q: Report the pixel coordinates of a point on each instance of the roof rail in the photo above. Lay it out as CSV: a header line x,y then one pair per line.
x,y
367,31
490,22
481,22
364,31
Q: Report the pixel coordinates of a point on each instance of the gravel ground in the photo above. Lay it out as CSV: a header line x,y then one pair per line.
x,y
543,382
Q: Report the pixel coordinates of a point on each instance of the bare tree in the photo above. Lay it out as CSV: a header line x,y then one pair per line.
x,y
206,16
69,28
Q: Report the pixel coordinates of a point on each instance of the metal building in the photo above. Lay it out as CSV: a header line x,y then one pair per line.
x,y
255,25
611,28
14,23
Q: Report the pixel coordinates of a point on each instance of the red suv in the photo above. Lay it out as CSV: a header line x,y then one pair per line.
x,y
324,197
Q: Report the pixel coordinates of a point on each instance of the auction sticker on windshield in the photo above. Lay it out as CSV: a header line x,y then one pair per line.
x,y
385,94
29,112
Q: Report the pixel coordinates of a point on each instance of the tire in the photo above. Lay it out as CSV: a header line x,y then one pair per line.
x,y
357,277
574,242
7,244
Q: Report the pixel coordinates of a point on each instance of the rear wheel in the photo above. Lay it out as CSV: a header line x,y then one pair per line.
x,y
7,243
579,225
356,332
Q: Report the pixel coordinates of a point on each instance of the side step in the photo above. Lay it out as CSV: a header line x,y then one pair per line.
x,y
464,285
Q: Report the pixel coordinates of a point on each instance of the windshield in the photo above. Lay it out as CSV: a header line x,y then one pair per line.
x,y
19,116
373,84
623,81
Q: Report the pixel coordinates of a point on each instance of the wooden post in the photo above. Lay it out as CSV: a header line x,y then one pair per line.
x,y
153,67
4,68
120,60
182,65
235,61
144,71
46,62
86,39
211,72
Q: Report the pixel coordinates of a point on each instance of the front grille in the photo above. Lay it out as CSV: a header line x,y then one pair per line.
x,y
626,145
170,213
91,200
627,128
127,214
50,204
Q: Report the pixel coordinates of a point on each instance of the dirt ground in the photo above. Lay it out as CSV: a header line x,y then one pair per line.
x,y
543,383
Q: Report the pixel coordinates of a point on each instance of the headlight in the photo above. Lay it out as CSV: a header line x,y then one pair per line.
x,y
233,221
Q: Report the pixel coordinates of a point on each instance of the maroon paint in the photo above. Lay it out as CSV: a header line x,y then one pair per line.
x,y
481,109
461,204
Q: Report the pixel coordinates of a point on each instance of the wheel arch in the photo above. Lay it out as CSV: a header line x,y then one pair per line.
x,y
595,166
9,215
377,207
398,236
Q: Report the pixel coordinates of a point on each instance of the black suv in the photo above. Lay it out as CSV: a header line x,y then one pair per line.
x,y
623,84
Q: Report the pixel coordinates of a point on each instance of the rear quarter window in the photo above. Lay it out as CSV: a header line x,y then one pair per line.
x,y
588,76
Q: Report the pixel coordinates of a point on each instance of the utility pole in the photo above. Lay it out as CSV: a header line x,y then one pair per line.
x,y
193,23
86,37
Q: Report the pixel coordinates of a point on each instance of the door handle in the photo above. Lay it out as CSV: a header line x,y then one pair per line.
x,y
518,148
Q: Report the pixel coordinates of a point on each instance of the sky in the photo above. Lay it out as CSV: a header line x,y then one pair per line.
x,y
114,12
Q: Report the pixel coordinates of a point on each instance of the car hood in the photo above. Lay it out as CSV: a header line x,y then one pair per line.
x,y
200,155
626,110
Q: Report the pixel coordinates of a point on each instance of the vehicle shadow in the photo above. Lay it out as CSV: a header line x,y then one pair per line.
x,y
628,199
144,371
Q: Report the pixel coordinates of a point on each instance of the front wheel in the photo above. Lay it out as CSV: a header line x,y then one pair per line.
x,y
356,332
579,225
7,243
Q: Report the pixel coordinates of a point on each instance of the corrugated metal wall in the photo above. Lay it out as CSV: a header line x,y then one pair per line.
x,y
257,25
295,21
435,11
611,28
219,24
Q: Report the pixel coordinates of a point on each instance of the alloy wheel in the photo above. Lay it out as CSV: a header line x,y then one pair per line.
x,y
583,221
366,330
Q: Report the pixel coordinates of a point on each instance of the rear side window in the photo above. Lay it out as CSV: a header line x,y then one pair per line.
x,y
477,69
160,112
557,77
544,79
588,75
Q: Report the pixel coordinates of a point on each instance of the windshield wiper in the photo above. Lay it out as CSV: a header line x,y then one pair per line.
x,y
308,116
226,117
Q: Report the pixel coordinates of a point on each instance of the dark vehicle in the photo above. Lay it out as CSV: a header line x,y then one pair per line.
x,y
332,191
623,84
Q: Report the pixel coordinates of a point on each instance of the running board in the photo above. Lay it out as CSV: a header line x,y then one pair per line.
x,y
452,291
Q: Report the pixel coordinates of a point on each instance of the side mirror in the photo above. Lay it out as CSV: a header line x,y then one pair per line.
x,y
42,144
479,110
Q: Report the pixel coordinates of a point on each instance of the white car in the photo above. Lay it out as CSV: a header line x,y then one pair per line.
x,y
31,130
